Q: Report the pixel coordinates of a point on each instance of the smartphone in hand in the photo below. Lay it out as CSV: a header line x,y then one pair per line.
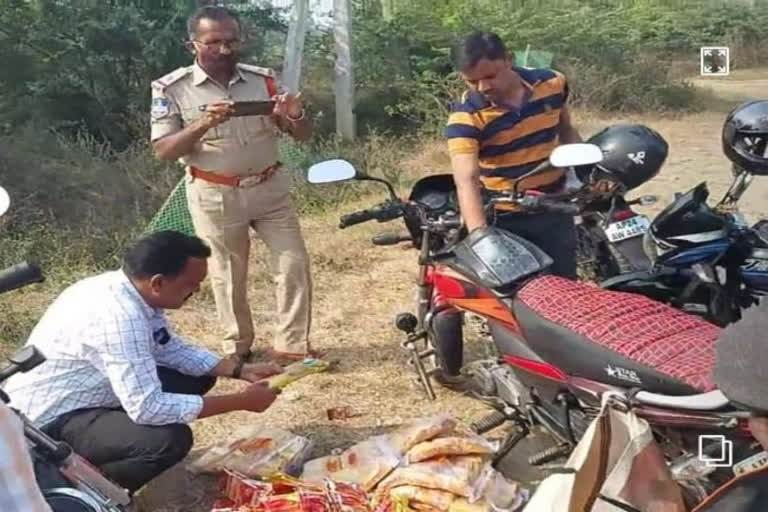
x,y
250,108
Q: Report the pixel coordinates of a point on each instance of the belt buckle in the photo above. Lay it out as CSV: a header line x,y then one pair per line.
x,y
250,181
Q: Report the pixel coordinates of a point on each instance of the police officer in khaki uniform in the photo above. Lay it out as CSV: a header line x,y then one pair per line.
x,y
233,178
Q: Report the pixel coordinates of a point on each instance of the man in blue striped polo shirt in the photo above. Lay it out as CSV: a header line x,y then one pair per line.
x,y
507,122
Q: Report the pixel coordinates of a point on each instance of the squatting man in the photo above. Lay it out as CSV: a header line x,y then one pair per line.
x,y
118,385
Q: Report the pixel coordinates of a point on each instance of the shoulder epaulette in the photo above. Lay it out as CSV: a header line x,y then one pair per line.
x,y
174,76
256,69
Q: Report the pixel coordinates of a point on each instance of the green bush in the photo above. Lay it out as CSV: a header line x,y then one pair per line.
x,y
618,56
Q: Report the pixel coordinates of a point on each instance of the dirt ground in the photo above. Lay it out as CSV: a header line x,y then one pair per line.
x,y
358,290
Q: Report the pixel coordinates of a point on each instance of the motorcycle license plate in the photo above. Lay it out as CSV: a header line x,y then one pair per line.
x,y
752,463
628,228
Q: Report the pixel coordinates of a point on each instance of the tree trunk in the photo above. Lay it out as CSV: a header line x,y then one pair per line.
x,y
294,45
345,80
387,9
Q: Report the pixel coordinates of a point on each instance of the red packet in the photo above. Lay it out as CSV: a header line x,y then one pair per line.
x,y
223,505
282,503
244,491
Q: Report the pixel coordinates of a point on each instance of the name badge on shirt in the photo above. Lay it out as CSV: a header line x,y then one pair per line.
x,y
161,336
160,108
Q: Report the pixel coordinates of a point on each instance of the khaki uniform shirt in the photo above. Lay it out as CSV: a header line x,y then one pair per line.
x,y
241,146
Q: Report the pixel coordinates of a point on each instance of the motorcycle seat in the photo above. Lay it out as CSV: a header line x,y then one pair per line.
x,y
617,338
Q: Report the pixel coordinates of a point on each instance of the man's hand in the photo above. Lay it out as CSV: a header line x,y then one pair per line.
x,y
259,371
290,118
258,397
466,175
288,106
183,142
215,114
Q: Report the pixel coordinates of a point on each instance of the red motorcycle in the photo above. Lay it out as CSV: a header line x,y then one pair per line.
x,y
561,344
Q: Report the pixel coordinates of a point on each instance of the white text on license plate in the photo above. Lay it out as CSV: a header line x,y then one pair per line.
x,y
634,226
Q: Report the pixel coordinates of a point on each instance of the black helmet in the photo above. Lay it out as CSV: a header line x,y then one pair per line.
x,y
632,155
745,134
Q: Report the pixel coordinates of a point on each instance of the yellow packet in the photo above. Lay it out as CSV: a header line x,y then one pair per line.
x,y
296,371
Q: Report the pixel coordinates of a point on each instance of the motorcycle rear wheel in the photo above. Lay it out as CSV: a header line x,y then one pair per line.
x,y
67,499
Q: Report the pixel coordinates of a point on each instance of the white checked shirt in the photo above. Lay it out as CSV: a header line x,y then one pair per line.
x,y
18,488
99,339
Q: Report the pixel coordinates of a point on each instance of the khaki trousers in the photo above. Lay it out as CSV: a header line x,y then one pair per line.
x,y
222,216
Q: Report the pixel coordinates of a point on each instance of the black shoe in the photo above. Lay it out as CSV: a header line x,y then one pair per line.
x,y
459,383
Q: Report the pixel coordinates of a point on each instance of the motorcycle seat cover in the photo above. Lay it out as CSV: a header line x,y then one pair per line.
x,y
617,337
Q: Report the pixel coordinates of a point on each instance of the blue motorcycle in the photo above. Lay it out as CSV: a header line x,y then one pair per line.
x,y
704,260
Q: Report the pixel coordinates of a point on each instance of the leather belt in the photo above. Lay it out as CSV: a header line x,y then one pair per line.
x,y
234,181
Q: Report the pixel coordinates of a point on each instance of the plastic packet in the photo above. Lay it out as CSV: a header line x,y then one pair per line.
x,y
334,497
223,505
241,490
457,475
256,451
364,464
387,503
296,371
447,446
281,503
286,458
406,437
415,496
493,491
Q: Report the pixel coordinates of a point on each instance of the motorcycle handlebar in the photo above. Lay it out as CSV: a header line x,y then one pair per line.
x,y
355,218
556,207
19,275
383,212
542,203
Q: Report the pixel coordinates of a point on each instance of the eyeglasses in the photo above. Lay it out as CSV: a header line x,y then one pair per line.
x,y
217,46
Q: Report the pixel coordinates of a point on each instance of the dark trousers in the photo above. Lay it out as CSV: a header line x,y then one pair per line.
x,y
130,454
553,233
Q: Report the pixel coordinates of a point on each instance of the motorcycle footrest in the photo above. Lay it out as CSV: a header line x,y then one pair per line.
x,y
550,454
489,422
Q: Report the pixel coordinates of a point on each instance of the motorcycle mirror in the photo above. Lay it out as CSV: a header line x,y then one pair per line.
x,y
645,200
5,201
569,155
331,171
566,155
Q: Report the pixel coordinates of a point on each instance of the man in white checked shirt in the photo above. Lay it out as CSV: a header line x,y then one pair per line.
x,y
118,385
